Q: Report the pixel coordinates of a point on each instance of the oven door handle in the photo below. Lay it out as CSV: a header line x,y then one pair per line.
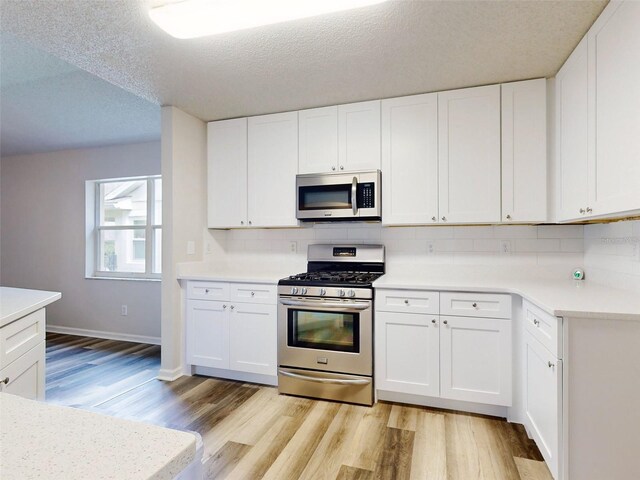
x,y
327,306
333,381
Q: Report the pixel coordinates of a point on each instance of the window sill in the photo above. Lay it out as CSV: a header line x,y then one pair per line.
x,y
129,279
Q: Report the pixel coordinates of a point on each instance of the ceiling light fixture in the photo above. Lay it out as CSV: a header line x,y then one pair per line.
x,y
199,18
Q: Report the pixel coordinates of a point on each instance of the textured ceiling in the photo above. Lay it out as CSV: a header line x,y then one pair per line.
x,y
47,104
390,49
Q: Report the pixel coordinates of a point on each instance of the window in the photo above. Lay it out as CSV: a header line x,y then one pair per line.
x,y
125,229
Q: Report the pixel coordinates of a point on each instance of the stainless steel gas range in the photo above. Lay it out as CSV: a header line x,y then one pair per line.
x,y
325,324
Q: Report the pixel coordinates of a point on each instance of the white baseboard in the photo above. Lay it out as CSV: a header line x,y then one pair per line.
x,y
170,375
83,332
493,410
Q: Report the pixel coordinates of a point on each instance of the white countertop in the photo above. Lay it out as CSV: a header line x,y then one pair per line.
x,y
17,302
558,296
41,441
264,272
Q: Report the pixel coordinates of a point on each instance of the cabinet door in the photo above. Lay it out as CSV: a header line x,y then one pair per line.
x,y
469,155
475,354
543,400
571,134
410,160
524,151
407,353
25,376
614,109
253,332
318,140
227,173
272,169
208,333
359,136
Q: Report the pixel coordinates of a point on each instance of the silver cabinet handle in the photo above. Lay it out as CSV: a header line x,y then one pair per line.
x,y
446,322
224,307
249,222
5,381
354,194
206,290
582,210
444,219
433,321
589,209
551,365
341,167
474,305
406,301
434,219
241,222
536,322
334,381
253,294
333,168
508,217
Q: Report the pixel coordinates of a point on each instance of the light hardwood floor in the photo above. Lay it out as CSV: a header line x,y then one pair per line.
x,y
251,432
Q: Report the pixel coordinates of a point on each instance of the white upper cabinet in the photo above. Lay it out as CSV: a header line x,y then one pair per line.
x,y
272,168
524,151
410,160
359,136
469,155
614,109
318,134
571,134
227,173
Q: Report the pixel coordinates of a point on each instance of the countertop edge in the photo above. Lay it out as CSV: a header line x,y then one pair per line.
x,y
31,308
230,279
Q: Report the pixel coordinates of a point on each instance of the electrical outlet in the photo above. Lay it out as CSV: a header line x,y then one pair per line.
x,y
505,247
431,249
124,311
293,247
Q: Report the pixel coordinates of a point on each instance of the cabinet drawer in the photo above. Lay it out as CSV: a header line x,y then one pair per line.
x,y
544,327
25,377
208,291
254,293
20,336
487,305
407,301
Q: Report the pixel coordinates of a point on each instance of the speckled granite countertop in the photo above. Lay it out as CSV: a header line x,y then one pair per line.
x,y
44,441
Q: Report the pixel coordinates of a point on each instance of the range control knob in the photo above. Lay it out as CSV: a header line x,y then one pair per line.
x,y
351,293
323,291
294,290
341,293
303,291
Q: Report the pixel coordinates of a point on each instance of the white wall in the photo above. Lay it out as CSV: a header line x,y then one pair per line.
x,y
43,237
612,254
184,194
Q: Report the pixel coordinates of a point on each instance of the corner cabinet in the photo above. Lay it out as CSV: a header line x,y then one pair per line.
x,y
252,164
524,151
340,138
469,155
22,356
444,345
231,328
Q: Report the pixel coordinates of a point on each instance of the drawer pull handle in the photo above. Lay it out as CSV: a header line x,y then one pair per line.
x,y
253,294
232,307
406,302
5,381
536,322
446,322
206,290
551,365
433,321
224,307
475,305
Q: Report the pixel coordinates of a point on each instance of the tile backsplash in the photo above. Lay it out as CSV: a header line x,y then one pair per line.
x,y
612,254
512,245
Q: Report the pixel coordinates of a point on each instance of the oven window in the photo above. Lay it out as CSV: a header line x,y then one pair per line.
x,y
324,330
324,197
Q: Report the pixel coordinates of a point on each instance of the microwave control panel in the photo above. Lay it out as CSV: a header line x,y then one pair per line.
x,y
366,195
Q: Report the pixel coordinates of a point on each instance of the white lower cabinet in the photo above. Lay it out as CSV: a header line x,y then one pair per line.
x,y
452,357
25,376
475,359
407,353
230,335
543,400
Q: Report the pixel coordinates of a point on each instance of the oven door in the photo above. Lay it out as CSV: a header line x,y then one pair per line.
x,y
334,335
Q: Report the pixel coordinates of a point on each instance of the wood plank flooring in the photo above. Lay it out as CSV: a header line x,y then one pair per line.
x,y
251,432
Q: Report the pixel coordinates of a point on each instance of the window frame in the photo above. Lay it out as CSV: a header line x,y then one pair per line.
x,y
152,225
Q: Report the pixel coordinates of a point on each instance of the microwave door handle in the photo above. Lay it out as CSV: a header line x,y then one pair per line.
x,y
354,195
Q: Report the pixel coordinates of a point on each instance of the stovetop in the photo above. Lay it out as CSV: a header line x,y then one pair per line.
x,y
332,278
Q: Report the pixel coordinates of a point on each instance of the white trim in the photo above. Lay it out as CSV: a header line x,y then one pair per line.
x,y
481,408
170,375
83,332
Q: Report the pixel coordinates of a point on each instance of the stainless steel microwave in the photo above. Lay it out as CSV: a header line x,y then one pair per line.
x,y
339,196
